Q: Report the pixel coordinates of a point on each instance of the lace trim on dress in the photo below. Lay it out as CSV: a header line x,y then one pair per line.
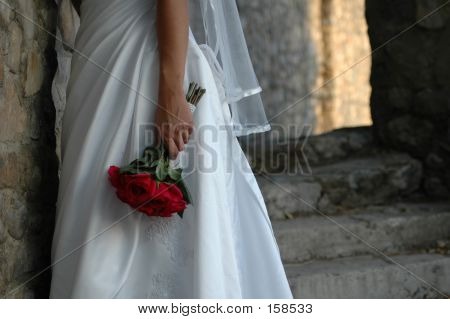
x,y
166,231
162,286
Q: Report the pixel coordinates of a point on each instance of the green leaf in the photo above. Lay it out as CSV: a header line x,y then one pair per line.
x,y
154,163
147,170
186,195
143,162
122,170
151,153
128,170
181,214
161,170
141,166
175,174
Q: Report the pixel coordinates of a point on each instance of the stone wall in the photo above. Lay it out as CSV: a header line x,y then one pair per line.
x,y
411,83
28,165
299,45
284,56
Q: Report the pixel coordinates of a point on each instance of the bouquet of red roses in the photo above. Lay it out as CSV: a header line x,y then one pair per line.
x,y
148,184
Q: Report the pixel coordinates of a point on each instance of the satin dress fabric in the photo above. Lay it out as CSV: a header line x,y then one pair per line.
x,y
223,247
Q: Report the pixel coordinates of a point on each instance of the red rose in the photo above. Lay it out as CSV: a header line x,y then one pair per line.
x,y
137,189
167,200
141,192
114,176
133,189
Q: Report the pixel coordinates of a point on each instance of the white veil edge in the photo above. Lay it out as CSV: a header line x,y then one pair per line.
x,y
224,45
216,24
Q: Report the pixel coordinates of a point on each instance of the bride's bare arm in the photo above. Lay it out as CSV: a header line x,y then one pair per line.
x,y
173,117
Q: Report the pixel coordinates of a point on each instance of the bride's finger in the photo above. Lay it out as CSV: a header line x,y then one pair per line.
x,y
172,148
190,128
185,135
178,138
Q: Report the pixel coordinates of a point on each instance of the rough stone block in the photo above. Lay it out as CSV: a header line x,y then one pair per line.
x,y
342,185
35,73
14,116
372,277
15,47
15,169
391,229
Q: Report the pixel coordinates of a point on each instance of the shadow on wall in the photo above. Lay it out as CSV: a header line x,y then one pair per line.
x,y
410,78
28,163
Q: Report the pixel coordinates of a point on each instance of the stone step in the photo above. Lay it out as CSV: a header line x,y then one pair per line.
x,y
347,184
391,229
270,155
372,277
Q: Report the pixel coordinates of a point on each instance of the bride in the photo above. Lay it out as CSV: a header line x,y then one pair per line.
x,y
131,64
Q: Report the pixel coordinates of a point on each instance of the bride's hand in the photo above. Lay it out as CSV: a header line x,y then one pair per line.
x,y
173,120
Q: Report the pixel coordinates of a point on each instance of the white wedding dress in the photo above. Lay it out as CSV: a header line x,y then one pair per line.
x,y
223,247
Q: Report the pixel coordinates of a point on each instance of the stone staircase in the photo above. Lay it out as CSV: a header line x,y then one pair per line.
x,y
350,219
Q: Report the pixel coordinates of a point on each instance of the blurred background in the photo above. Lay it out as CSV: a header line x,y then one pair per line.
x,y
297,47
355,172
